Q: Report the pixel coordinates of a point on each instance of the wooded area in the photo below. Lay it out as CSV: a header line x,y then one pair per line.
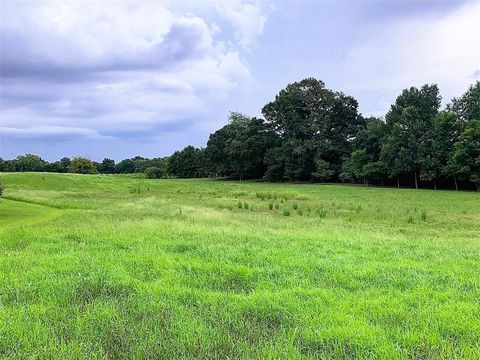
x,y
310,133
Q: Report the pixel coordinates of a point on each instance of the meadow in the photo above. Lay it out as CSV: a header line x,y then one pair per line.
x,y
121,267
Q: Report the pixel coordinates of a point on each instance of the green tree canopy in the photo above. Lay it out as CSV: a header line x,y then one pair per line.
x,y
186,163
82,165
313,124
30,162
409,123
238,149
467,106
107,166
154,172
465,160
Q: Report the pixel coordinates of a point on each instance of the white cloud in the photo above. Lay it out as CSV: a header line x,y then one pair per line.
x,y
114,66
247,18
410,52
50,132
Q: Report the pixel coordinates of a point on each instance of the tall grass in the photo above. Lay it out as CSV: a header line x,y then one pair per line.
x,y
204,269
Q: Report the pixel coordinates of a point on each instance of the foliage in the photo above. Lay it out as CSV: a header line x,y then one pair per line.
x,y
30,162
467,106
312,133
314,125
186,163
238,149
126,166
323,170
82,165
409,123
107,166
364,161
434,162
154,172
465,159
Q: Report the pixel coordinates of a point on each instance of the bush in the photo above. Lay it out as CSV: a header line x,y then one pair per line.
x,y
1,187
423,215
153,172
321,213
81,165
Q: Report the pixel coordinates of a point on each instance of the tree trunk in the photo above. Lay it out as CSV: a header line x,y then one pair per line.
x,y
366,182
398,183
435,184
455,179
416,180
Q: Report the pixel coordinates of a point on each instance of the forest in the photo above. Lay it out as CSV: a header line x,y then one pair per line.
x,y
310,133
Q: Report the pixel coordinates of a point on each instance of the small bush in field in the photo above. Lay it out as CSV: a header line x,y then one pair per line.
x,y
239,204
270,205
295,206
410,220
277,205
321,213
286,212
135,190
245,205
153,172
423,215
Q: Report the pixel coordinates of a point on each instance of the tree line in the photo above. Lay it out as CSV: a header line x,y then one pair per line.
x,y
310,133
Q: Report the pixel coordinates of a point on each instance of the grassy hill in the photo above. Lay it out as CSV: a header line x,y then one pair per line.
x,y
124,267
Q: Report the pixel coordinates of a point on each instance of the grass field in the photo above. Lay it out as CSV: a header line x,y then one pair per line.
x,y
121,267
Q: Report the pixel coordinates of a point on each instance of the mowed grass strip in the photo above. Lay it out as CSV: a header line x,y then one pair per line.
x,y
124,267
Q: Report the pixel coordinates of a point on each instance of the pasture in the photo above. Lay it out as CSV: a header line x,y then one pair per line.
x,y
121,267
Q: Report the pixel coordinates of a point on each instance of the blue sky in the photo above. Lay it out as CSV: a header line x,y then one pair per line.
x,y
125,78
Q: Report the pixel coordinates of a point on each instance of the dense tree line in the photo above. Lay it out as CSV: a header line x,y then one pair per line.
x,y
311,133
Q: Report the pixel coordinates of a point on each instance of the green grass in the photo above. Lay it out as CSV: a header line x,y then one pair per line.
x,y
124,267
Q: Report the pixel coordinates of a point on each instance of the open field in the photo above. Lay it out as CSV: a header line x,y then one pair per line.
x,y
123,267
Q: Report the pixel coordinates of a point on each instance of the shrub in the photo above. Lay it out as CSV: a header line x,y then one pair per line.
x,y
295,206
270,205
321,213
153,172
135,190
81,165
1,187
239,204
286,212
277,205
423,215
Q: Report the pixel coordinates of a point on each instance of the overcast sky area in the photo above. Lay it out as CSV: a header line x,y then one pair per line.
x,y
125,78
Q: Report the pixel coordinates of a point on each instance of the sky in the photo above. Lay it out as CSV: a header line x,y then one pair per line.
x,y
118,79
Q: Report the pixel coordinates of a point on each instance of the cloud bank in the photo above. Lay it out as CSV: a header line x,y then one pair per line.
x,y
442,49
98,68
